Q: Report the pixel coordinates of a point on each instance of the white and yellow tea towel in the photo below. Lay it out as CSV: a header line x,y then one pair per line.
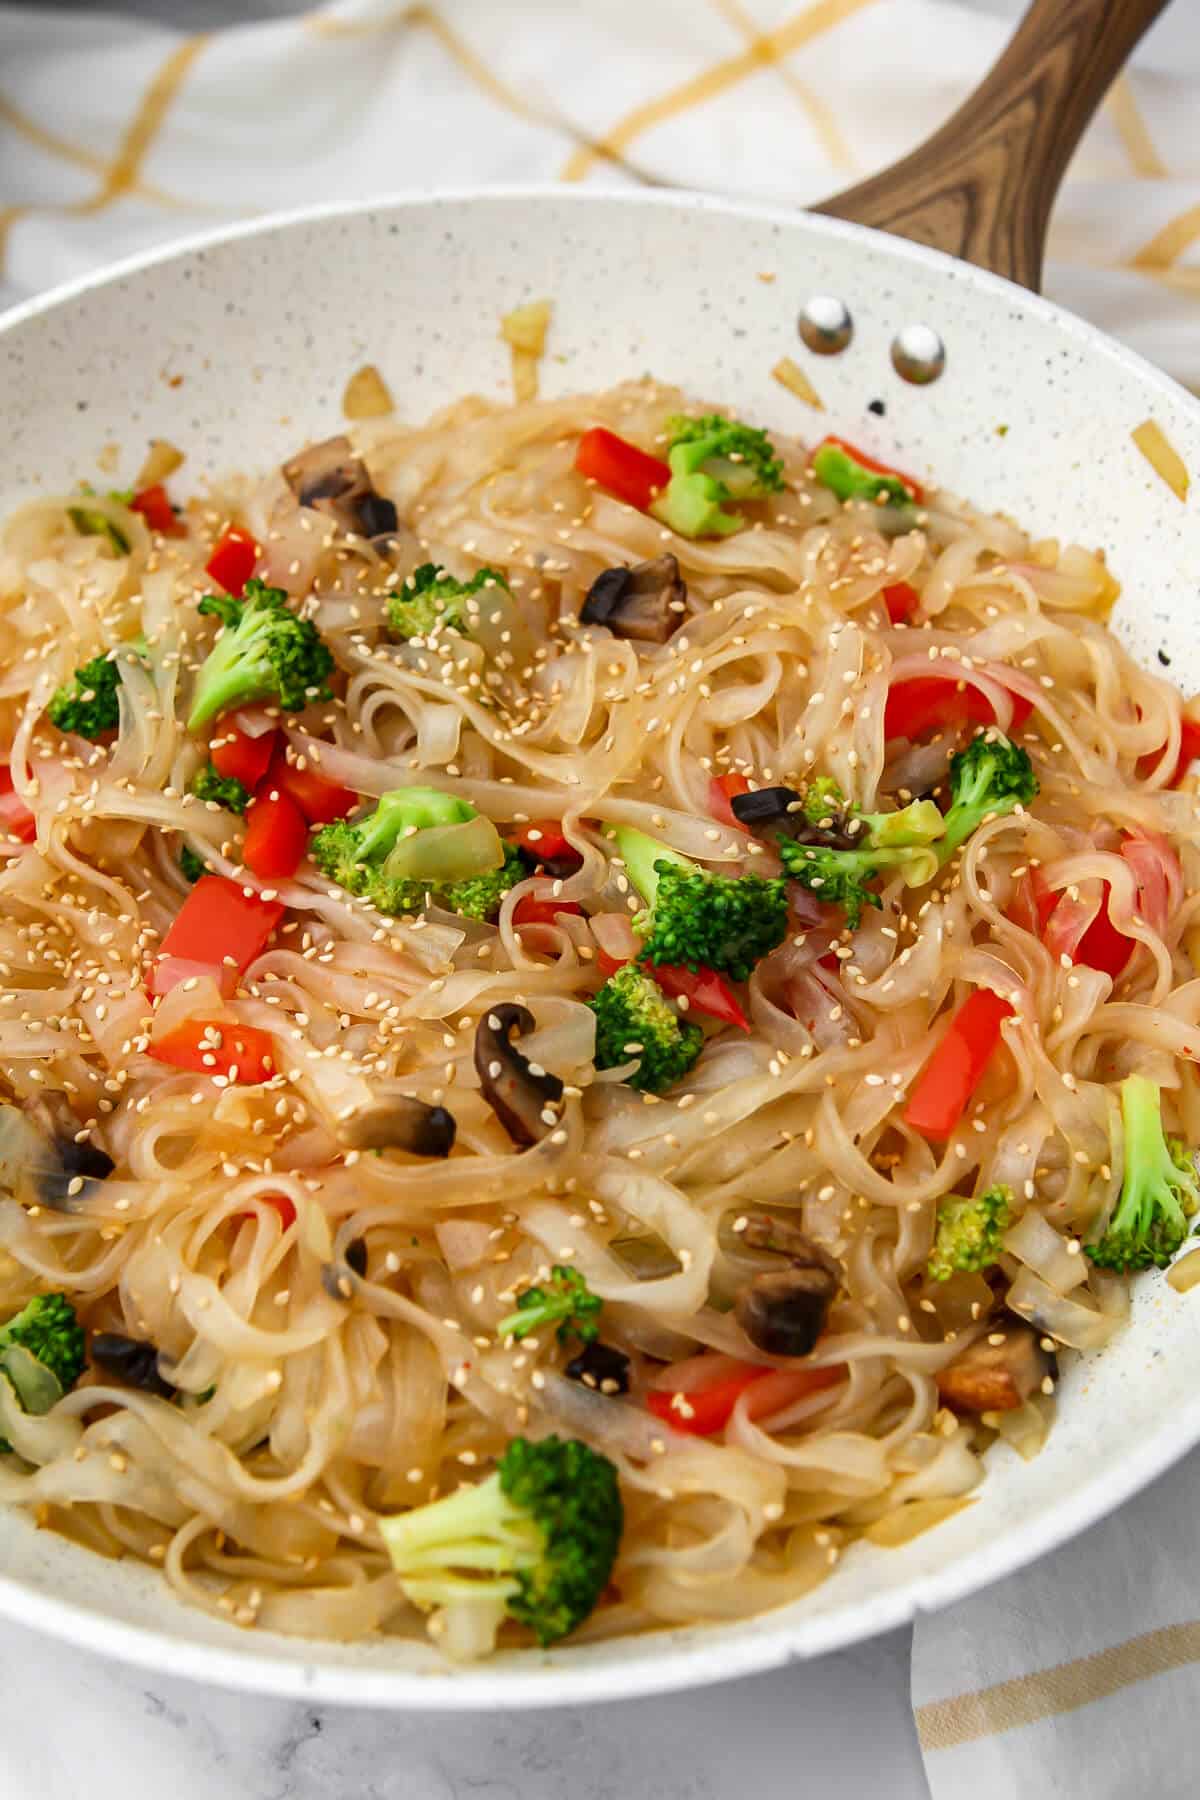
x,y
1078,1677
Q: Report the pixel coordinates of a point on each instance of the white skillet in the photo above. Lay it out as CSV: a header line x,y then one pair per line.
x,y
237,348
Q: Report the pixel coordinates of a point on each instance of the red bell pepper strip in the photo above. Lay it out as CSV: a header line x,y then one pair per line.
x,y
156,509
16,820
876,467
955,1069
901,600
276,839
219,930
235,753
1189,750
704,990
320,800
242,1053
934,702
544,839
283,1205
723,790
532,911
1101,947
232,562
700,1411
621,467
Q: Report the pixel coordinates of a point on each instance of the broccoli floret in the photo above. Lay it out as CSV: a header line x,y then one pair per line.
x,y
721,922
42,1353
355,854
90,521
714,460
565,1300
209,784
266,652
969,1232
988,779
480,896
866,845
849,479
1159,1189
87,704
537,1540
824,801
431,601
635,1019
192,865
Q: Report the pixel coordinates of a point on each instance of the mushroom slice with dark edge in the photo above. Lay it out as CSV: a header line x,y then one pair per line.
x,y
517,1091
646,603
989,1377
331,479
335,1276
783,809
602,1367
783,1309
132,1361
400,1122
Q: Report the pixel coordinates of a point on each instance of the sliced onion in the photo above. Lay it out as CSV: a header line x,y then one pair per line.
x,y
443,853
1184,1275
255,721
464,1243
615,936
1046,1252
1070,1321
914,1517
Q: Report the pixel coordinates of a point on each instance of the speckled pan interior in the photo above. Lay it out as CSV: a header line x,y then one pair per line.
x,y
238,349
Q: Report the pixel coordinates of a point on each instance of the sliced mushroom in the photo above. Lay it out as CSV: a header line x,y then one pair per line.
x,y
331,479
782,809
783,1309
646,603
132,1361
401,1122
990,1377
67,1164
336,1276
517,1091
602,1367
646,1257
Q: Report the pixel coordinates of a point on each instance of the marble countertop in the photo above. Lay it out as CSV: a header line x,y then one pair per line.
x,y
129,1734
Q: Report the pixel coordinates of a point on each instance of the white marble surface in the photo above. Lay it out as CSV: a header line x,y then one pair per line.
x,y
842,1725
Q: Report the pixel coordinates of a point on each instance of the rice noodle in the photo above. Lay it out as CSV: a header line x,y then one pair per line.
x,y
328,1317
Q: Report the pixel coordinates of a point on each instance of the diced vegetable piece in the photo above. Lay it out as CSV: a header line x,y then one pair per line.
x,y
241,1053
954,1071
703,1410
320,800
232,562
543,839
220,928
238,755
156,509
722,791
934,702
988,1377
902,601
621,467
704,990
531,911
276,835
16,820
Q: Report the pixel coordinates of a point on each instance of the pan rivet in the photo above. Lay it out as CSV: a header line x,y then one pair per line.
x,y
825,324
918,354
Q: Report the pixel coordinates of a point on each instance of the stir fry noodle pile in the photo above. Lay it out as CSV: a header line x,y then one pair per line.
x,y
592,1001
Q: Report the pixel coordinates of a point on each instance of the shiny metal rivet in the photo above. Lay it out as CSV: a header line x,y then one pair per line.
x,y
825,324
918,354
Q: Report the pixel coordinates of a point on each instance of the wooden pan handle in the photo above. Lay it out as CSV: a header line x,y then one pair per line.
x,y
982,186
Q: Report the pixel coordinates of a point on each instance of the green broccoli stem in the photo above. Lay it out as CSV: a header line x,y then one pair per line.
x,y
1149,1167
639,853
475,1527
232,676
408,809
